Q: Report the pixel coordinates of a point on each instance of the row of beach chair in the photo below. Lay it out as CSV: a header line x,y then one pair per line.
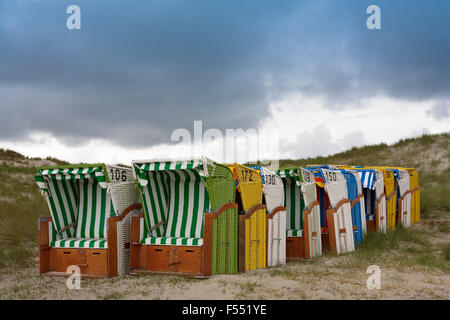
x,y
197,217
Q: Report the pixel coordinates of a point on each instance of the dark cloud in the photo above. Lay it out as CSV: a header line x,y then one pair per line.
x,y
137,70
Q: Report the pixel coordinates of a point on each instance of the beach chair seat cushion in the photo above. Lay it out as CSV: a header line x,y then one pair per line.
x,y
294,233
179,241
97,243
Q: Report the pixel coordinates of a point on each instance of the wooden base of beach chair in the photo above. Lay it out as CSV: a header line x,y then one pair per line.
x,y
325,242
295,249
191,261
168,259
93,262
172,259
340,228
371,226
65,274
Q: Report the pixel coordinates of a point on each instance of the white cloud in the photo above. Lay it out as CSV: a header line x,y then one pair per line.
x,y
307,128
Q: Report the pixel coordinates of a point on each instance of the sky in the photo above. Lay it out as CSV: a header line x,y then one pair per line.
x,y
305,78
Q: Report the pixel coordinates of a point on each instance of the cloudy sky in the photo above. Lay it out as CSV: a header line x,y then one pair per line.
x,y
309,72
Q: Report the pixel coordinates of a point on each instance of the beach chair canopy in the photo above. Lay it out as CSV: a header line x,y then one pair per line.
x,y
175,195
371,188
80,202
308,186
336,188
403,181
249,186
273,189
379,183
402,185
321,195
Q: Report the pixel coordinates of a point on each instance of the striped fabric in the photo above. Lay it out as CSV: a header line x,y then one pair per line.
x,y
189,200
62,201
290,173
293,200
95,172
141,169
80,243
52,235
294,205
174,195
155,195
94,209
368,178
77,197
294,233
173,241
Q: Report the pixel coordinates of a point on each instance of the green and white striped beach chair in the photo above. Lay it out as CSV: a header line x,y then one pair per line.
x,y
89,221
303,216
189,223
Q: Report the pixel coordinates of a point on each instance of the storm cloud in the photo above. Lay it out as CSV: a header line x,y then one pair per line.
x,y
138,70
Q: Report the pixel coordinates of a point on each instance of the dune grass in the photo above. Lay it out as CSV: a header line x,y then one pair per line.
x,y
21,204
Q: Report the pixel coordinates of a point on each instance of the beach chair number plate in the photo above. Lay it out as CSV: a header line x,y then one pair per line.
x,y
330,176
119,175
308,177
247,175
270,179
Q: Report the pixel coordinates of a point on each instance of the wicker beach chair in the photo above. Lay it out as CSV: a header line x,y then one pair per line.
x,y
90,210
273,198
415,194
355,195
389,194
402,186
339,216
189,219
311,215
252,218
303,230
374,198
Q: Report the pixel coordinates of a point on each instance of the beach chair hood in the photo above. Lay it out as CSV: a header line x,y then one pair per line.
x,y
339,217
176,193
272,188
78,198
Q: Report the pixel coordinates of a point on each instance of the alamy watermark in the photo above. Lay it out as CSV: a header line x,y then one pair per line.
x,y
231,145
74,280
74,20
373,22
374,280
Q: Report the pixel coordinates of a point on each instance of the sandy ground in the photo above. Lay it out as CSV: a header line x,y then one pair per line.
x,y
293,281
